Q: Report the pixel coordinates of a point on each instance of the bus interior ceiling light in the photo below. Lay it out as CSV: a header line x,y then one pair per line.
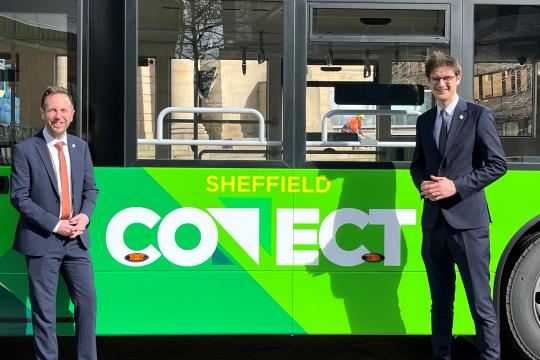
x,y
244,58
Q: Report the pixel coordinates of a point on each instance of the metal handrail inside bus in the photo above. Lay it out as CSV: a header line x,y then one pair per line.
x,y
161,141
362,142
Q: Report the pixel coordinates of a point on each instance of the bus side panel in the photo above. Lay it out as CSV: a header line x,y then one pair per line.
x,y
208,238
229,251
191,302
370,303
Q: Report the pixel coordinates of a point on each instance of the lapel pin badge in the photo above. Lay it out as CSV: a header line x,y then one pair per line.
x,y
72,145
460,117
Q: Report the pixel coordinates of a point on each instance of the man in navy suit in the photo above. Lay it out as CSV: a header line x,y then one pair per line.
x,y
458,153
53,189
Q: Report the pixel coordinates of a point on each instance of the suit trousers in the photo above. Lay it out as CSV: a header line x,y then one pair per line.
x,y
72,260
442,247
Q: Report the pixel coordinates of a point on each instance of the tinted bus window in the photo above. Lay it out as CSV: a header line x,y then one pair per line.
x,y
506,74
37,49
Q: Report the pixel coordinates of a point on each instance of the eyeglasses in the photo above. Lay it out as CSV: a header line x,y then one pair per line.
x,y
435,80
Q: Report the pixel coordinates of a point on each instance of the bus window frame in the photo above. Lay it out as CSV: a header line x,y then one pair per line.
x,y
130,120
453,12
80,93
313,37
467,83
296,21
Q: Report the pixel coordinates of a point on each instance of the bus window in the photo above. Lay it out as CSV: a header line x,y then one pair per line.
x,y
506,75
372,22
378,122
215,78
28,64
387,47
388,55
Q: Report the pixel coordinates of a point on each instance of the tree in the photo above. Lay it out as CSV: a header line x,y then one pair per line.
x,y
200,36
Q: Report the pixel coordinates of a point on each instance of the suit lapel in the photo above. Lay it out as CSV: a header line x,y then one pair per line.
x,y
75,157
45,155
458,119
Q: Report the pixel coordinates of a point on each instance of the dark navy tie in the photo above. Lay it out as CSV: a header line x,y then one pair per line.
x,y
443,133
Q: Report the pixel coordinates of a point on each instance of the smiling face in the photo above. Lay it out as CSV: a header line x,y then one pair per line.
x,y
443,83
58,114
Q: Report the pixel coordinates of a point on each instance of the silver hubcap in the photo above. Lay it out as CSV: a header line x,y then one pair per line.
x,y
536,300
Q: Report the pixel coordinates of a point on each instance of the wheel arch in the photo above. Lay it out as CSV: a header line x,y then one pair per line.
x,y
533,225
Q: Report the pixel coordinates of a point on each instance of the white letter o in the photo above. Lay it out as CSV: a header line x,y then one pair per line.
x,y
167,241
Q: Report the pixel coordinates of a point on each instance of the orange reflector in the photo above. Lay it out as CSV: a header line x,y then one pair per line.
x,y
136,257
373,257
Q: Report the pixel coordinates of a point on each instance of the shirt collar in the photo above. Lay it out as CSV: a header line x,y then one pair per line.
x,y
450,108
51,140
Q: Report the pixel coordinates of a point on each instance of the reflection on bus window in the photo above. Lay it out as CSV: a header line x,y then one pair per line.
x,y
32,57
505,69
507,89
6,90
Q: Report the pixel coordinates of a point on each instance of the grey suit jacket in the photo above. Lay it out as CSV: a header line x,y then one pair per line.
x,y
473,159
35,194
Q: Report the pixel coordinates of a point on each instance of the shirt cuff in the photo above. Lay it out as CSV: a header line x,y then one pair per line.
x,y
55,230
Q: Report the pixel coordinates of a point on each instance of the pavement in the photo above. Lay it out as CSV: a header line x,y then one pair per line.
x,y
244,347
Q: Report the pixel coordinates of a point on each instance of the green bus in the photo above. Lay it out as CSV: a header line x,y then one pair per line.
x,y
231,201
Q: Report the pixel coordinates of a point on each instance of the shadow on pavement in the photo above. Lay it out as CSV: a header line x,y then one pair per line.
x,y
240,347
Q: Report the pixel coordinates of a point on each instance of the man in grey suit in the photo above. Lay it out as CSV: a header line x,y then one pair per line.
x,y
458,153
53,189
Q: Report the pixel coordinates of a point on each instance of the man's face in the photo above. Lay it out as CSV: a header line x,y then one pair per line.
x,y
58,114
443,83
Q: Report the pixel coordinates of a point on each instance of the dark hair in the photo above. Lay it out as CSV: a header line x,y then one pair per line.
x,y
440,59
53,90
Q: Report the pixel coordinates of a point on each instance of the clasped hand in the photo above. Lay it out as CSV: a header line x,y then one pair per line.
x,y
438,188
74,226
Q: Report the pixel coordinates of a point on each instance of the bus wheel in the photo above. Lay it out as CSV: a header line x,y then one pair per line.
x,y
523,297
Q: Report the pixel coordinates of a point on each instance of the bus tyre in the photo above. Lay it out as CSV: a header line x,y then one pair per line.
x,y
523,297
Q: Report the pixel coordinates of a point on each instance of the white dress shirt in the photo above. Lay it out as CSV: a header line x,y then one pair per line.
x,y
53,152
449,110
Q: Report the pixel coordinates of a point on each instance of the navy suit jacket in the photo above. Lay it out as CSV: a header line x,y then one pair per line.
x,y
35,194
473,158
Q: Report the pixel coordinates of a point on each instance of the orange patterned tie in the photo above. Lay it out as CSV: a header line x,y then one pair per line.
x,y
64,183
